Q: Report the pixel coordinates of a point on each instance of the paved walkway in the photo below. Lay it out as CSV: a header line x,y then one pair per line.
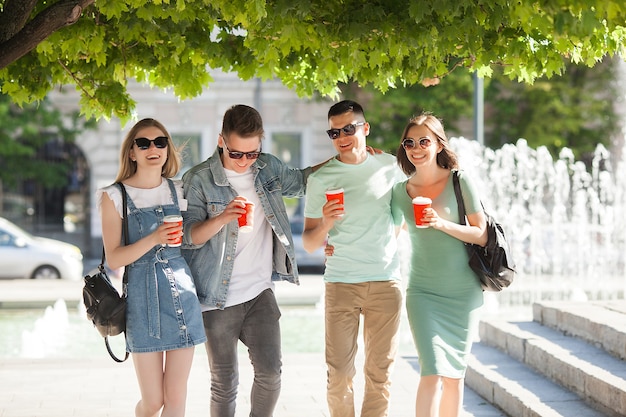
x,y
99,387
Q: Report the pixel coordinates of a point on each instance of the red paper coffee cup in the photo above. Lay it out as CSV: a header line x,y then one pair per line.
x,y
419,204
245,220
178,220
336,194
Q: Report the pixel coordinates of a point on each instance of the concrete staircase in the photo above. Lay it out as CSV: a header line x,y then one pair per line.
x,y
570,360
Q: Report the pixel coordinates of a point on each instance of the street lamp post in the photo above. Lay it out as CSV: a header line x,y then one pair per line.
x,y
479,107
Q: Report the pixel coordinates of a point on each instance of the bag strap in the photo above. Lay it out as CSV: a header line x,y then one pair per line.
x,y
125,234
461,206
125,277
115,358
459,196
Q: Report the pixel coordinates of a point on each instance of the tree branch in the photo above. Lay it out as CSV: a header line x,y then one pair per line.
x,y
76,80
58,15
14,17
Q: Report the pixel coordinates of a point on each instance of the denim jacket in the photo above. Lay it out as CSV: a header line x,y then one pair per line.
x,y
208,191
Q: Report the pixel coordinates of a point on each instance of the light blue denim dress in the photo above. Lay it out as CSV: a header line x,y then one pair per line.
x,y
163,312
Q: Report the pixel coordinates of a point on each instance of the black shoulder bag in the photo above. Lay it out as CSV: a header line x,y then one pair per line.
x,y
105,307
492,263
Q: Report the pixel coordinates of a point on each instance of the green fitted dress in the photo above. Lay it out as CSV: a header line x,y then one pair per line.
x,y
444,296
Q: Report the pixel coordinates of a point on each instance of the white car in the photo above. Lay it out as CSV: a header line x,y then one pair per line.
x,y
23,255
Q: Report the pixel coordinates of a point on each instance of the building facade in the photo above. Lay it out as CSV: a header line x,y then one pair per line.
x,y
294,131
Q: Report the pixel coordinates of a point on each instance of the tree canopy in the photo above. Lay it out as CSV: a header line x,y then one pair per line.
x,y
310,46
576,110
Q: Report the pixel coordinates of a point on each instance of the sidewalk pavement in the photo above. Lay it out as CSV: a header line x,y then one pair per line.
x,y
99,387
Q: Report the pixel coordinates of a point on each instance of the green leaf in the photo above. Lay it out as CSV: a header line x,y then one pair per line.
x,y
310,46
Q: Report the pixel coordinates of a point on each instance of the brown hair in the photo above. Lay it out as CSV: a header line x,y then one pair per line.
x,y
346,106
445,159
242,120
128,167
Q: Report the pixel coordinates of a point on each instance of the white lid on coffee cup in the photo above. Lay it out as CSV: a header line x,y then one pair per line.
x,y
173,218
335,191
422,200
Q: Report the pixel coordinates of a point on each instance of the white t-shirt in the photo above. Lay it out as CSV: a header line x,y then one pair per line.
x,y
143,197
252,269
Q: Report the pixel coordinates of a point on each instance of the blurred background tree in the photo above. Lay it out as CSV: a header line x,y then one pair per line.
x,y
574,110
38,158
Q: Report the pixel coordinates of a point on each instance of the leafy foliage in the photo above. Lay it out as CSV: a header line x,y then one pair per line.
x,y
388,113
574,110
310,46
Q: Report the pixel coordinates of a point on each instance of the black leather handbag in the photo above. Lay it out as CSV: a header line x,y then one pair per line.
x,y
492,263
106,307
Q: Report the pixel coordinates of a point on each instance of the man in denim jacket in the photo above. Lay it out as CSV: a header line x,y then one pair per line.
x,y
234,271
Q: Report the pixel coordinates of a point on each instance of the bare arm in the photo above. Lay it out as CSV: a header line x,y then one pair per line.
x,y
316,230
474,232
321,164
119,255
314,234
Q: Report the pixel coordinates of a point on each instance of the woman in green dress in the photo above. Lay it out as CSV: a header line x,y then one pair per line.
x,y
444,296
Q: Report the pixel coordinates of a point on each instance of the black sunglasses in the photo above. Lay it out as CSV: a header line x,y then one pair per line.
x,y
239,155
409,143
144,143
347,129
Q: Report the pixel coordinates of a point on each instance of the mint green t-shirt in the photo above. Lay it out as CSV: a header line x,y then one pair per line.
x,y
364,239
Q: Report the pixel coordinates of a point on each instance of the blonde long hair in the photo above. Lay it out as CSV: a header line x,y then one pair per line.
x,y
128,167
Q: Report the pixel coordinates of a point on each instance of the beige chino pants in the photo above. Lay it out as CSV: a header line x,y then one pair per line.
x,y
380,303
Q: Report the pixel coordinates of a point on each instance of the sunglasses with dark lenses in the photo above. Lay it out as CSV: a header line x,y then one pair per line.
x,y
239,155
347,129
409,143
144,143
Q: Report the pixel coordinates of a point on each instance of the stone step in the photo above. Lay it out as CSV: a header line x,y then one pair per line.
x,y
578,366
602,324
518,390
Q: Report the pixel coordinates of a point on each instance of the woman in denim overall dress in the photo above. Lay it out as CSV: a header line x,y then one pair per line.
x,y
164,321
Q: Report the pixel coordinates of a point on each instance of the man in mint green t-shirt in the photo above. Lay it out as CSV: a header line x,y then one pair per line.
x,y
362,275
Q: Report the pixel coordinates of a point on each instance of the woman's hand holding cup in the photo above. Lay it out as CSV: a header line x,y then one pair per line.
x,y
419,205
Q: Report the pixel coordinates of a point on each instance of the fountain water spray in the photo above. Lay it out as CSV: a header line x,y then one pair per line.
x,y
48,333
564,222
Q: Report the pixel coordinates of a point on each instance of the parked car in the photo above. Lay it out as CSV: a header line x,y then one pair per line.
x,y
23,255
307,262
